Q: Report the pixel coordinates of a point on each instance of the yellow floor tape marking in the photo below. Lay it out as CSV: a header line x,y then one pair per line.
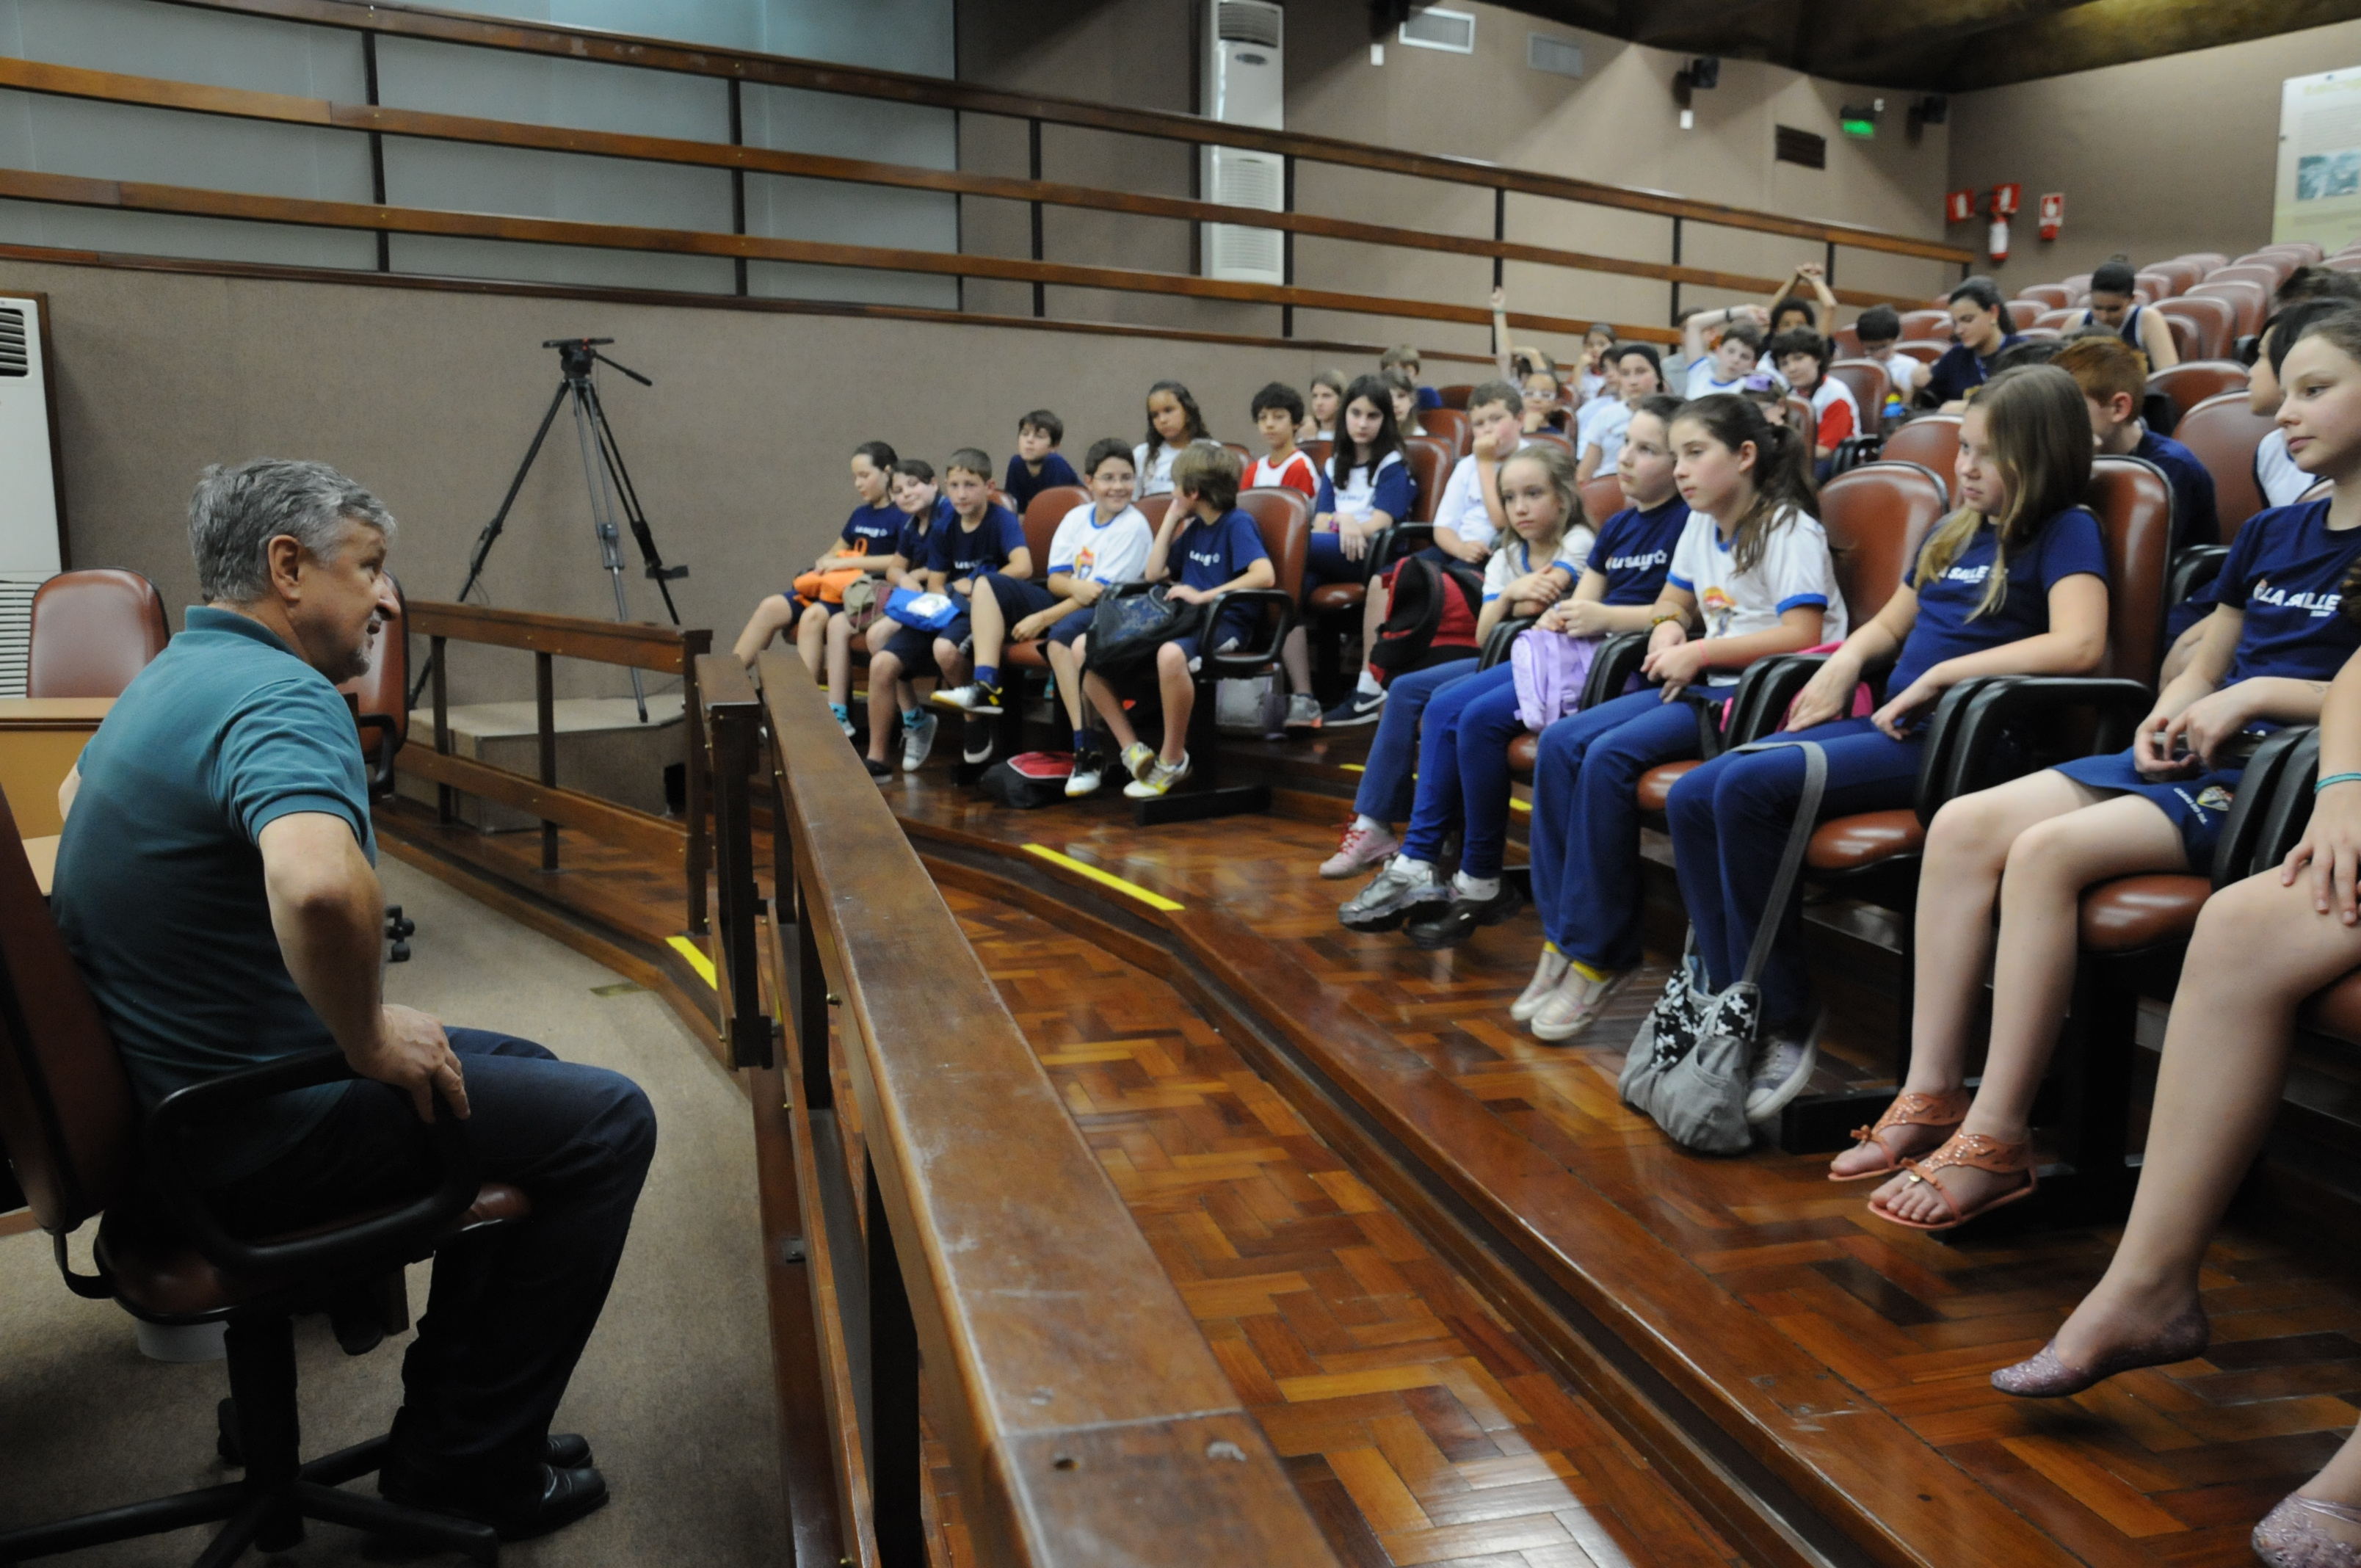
x,y
696,958
1105,879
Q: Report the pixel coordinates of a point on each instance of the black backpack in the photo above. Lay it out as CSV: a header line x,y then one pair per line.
x,y
1028,780
1430,619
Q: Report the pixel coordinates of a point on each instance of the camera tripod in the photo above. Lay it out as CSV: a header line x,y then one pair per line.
x,y
611,491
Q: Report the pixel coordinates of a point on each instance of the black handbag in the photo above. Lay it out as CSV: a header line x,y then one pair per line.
x,y
1130,622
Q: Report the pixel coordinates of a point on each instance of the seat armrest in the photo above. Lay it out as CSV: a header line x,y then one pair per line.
x,y
187,1108
2273,805
1987,707
1765,688
1612,668
1396,540
2193,569
1496,647
1246,660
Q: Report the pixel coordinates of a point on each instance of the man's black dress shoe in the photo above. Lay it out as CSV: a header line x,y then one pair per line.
x,y
554,1499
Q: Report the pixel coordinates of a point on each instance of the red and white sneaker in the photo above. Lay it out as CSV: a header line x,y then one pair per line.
x,y
1358,850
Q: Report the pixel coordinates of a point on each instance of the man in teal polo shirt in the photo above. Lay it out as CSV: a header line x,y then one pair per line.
x,y
216,887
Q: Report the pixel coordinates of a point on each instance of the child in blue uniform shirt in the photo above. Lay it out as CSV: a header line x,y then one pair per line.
x,y
1036,466
2266,658
980,537
866,542
1751,577
1616,586
1212,548
1980,330
2013,583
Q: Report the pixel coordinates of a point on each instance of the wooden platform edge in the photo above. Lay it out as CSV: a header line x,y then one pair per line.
x,y
1765,1496
1733,1503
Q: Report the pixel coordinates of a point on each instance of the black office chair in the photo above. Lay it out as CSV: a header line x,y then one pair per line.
x,y
82,1149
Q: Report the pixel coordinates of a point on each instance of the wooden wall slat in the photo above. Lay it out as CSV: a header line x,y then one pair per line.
x,y
34,76
660,839
188,202
782,70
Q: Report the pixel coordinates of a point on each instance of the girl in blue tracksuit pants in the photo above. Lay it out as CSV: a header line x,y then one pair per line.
x,y
2030,846
2013,583
1752,577
1462,749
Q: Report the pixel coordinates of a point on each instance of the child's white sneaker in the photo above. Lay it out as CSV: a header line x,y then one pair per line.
x,y
1161,777
1138,758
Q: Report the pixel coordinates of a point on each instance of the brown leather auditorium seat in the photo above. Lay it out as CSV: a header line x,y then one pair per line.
x,y
2214,321
1451,426
1866,380
2193,381
2224,433
1602,499
2049,296
92,631
2248,296
1931,441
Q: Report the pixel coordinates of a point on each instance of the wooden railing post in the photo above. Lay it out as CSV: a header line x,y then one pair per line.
x,y
446,807
1676,283
736,716
694,644
1287,243
897,1465
545,718
1499,233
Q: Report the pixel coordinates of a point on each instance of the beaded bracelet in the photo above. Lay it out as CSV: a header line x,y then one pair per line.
x,y
2336,779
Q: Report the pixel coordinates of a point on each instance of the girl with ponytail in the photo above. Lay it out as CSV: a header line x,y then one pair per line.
x,y
1749,578
2030,846
2014,583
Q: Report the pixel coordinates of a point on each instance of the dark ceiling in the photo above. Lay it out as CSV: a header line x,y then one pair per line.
x,y
1945,46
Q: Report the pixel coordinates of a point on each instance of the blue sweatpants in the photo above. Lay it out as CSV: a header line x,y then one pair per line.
x,y
1730,819
1385,793
1585,831
1463,770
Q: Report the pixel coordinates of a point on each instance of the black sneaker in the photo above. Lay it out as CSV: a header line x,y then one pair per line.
x,y
1359,708
879,771
1454,922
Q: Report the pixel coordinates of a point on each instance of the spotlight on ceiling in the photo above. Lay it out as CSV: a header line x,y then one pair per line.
x,y
1703,74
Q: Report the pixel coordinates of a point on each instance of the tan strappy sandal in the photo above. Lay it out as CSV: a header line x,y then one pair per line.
x,y
1945,1110
1966,1149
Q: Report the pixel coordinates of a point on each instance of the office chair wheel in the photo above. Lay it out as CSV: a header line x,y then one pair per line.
x,y
226,1441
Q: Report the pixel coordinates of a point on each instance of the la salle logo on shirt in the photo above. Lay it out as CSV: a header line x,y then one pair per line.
x,y
1968,574
2318,606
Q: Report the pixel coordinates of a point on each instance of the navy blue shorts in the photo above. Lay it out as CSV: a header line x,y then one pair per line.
x,y
1072,626
797,603
1018,597
915,647
2198,807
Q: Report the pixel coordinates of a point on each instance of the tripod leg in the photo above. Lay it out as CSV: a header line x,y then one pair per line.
x,y
491,536
602,512
636,518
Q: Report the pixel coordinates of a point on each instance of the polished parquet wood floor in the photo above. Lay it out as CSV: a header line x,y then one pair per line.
x,y
1874,1344
1420,1426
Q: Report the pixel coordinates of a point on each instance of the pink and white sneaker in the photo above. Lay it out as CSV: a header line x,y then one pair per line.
x,y
1358,850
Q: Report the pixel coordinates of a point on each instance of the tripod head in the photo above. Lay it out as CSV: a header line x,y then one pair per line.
x,y
577,355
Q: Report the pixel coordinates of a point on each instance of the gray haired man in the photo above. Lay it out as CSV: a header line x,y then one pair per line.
x,y
216,885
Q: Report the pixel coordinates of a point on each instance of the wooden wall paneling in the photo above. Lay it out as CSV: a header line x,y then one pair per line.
x,y
898,87
34,76
186,201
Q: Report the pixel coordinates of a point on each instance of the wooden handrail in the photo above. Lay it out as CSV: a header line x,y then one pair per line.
x,y
72,81
744,65
1088,1420
135,196
641,645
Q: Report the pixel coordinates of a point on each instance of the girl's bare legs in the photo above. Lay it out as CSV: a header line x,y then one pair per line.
x,y
771,617
885,674
1103,697
2259,949
2033,974
1296,654
811,634
1967,848
840,661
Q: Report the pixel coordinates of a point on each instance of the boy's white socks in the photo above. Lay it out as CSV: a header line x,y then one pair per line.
x,y
1478,889
1368,824
1368,685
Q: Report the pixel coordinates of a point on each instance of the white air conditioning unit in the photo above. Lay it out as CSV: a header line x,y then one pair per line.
x,y
32,511
1244,84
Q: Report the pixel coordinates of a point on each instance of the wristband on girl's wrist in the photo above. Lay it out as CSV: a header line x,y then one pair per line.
x,y
2336,779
